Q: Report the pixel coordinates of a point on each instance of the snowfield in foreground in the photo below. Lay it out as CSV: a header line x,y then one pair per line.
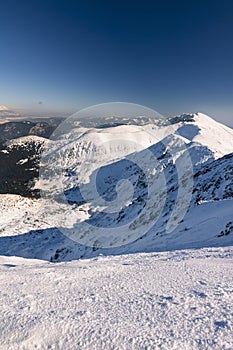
x,y
170,300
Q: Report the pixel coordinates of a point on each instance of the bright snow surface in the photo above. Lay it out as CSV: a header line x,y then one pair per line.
x,y
171,300
175,299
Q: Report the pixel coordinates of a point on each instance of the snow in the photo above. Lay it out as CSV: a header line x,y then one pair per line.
x,y
28,226
26,231
204,130
209,139
216,136
162,291
22,161
172,300
86,156
26,139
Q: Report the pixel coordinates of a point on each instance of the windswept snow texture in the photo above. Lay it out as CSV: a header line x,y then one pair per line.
x,y
174,300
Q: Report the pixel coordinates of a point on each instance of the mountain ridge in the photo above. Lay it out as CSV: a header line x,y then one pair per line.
x,y
201,226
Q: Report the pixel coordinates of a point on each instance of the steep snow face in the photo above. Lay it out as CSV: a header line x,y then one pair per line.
x,y
206,131
172,300
214,182
29,224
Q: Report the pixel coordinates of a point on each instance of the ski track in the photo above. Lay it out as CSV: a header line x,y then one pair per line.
x,y
170,300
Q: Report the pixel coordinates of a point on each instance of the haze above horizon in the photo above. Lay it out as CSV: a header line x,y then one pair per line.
x,y
174,57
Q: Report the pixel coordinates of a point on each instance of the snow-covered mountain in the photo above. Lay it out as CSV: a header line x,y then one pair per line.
x,y
204,138
3,108
20,149
15,129
19,160
176,174
208,221
204,130
7,113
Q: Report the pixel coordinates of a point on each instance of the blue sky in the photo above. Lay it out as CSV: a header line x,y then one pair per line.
x,y
173,56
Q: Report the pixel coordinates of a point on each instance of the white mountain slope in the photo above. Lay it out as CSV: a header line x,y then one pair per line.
x,y
175,299
207,132
26,140
198,128
34,233
82,151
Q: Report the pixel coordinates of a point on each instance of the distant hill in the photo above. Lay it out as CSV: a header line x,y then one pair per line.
x,y
13,130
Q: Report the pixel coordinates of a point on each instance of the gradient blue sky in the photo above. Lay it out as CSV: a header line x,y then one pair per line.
x,y
173,56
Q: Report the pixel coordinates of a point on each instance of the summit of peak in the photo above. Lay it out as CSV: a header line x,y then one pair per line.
x,y
3,108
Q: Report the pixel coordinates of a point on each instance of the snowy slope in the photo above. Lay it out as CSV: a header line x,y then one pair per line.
x,y
26,140
27,227
175,300
198,128
205,138
151,293
30,226
207,132
214,181
25,232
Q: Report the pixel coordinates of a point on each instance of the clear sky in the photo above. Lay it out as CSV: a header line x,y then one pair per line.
x,y
171,55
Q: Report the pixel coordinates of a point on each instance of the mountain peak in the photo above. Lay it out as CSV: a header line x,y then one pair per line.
x,y
189,117
4,108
